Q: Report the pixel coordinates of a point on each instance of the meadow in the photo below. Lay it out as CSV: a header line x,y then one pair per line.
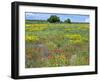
x,y
56,44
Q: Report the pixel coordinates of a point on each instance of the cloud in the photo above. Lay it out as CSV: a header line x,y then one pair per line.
x,y
87,20
30,14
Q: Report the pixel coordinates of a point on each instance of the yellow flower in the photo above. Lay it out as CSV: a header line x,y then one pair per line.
x,y
73,36
31,38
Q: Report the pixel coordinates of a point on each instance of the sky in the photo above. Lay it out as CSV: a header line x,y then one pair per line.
x,y
63,17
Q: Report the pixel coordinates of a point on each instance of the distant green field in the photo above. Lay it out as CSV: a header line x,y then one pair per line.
x,y
58,44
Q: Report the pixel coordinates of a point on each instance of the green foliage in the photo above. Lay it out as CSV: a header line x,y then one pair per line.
x,y
56,44
53,19
67,21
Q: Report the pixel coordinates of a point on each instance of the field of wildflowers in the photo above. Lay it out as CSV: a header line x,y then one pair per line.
x,y
56,45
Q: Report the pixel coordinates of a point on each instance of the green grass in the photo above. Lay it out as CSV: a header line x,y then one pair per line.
x,y
59,44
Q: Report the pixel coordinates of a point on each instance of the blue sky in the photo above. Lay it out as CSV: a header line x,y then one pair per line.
x,y
45,16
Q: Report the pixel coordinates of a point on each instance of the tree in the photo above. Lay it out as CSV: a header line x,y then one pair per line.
x,y
53,19
67,21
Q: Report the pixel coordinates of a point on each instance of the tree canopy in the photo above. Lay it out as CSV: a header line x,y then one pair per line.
x,y
67,21
53,19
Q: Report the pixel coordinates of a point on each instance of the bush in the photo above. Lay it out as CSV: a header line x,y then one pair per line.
x,y
67,21
53,19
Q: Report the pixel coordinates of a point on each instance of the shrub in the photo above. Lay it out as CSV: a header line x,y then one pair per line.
x,y
53,19
67,21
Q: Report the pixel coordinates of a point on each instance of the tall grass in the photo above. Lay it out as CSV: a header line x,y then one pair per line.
x,y
53,45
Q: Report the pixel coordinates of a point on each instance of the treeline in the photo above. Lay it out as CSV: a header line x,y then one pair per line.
x,y
56,19
35,21
53,19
